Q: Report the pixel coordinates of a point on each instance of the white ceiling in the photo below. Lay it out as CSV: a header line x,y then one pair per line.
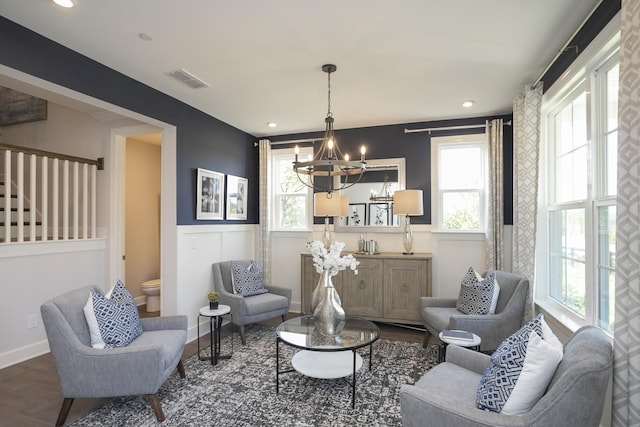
x,y
398,61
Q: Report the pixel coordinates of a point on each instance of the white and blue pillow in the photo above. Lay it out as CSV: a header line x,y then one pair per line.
x,y
520,370
248,278
113,319
478,295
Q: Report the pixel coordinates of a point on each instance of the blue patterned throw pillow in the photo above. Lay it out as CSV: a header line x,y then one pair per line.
x,y
113,319
476,296
520,370
248,278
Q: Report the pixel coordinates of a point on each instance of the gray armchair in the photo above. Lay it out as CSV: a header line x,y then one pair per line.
x,y
446,395
251,309
83,371
439,314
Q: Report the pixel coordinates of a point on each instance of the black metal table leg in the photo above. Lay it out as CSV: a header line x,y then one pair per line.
x,y
353,392
214,359
277,365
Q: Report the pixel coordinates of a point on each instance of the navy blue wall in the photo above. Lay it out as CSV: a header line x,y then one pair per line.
x,y
202,141
391,141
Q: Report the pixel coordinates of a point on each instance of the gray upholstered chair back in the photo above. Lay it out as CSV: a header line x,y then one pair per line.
x,y
66,311
222,276
509,283
587,354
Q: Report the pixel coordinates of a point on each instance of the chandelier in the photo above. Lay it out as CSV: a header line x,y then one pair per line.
x,y
329,161
386,193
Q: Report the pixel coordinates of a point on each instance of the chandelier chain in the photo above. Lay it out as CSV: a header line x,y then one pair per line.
x,y
329,114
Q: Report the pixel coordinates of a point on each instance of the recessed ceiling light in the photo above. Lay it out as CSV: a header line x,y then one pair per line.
x,y
146,37
272,124
468,103
66,3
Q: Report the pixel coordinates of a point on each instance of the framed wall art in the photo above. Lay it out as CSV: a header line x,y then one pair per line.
x,y
17,107
237,197
210,196
357,214
379,214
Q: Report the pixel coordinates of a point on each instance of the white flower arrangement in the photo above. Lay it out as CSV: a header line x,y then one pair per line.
x,y
330,260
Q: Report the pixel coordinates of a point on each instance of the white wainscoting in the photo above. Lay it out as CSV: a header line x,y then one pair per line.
x,y
33,273
198,248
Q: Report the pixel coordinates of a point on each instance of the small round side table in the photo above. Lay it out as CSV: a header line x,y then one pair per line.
x,y
473,344
215,325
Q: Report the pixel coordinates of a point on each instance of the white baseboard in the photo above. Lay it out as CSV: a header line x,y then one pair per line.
x,y
23,353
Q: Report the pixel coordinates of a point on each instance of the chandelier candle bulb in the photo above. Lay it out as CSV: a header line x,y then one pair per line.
x,y
297,151
363,150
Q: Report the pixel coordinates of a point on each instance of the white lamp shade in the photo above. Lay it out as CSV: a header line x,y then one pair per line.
x,y
344,205
407,202
327,206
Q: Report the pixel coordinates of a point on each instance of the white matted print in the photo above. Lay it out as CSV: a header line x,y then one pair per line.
x,y
210,194
379,214
236,197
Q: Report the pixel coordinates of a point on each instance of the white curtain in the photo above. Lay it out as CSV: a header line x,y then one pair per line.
x,y
626,365
264,234
495,211
526,154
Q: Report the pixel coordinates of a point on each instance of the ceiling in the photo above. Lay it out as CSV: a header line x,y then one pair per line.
x,y
397,62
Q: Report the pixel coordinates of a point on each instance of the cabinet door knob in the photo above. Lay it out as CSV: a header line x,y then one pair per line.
x,y
405,287
362,284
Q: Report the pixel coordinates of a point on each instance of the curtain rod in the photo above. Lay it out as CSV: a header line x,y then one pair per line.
x,y
294,141
565,47
450,128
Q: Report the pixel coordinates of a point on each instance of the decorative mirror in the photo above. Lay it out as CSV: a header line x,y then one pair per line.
x,y
370,206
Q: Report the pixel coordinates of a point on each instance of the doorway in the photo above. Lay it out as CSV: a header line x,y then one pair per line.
x,y
143,160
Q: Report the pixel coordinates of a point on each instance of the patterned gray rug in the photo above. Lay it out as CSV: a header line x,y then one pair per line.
x,y
241,391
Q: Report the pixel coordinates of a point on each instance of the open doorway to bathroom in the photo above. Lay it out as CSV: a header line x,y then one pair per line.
x,y
142,225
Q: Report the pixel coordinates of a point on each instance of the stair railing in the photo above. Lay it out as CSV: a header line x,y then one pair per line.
x,y
67,190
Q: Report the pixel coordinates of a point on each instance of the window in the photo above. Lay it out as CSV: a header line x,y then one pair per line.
x,y
580,143
291,198
458,167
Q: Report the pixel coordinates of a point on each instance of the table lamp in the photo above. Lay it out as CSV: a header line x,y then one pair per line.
x,y
408,203
326,205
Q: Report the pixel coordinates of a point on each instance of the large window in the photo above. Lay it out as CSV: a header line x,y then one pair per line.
x,y
459,176
580,142
291,198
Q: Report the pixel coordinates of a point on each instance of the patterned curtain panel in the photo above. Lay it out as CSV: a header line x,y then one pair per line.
x,y
526,153
626,365
495,222
264,234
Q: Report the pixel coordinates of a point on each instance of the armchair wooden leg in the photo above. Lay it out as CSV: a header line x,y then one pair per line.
x,y
242,338
64,411
284,317
427,337
180,368
156,406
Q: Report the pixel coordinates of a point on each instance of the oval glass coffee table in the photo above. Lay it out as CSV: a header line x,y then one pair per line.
x,y
323,356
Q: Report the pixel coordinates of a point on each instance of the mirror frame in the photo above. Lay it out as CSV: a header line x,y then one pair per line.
x,y
339,222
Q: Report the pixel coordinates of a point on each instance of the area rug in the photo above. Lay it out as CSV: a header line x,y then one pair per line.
x,y
241,391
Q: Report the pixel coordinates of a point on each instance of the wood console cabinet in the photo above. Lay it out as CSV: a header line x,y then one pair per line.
x,y
386,288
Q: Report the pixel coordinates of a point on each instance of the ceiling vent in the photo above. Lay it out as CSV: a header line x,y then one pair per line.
x,y
189,79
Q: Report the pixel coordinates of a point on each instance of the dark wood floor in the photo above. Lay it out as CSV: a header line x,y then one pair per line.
x,y
31,393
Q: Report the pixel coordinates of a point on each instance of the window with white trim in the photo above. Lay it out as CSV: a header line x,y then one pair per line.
x,y
458,166
580,150
292,200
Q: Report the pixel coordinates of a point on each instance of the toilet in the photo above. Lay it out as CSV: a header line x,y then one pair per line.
x,y
151,288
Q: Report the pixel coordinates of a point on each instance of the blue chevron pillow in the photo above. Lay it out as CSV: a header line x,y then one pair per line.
x,y
113,319
520,370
